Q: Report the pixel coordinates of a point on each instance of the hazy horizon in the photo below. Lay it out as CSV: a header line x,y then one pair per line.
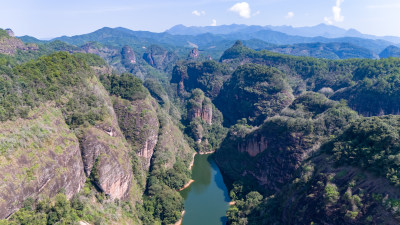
x,y
48,19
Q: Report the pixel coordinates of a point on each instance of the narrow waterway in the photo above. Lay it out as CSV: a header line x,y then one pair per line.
x,y
207,198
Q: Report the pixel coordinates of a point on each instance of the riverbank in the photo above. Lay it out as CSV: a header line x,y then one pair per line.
x,y
192,162
191,167
186,185
206,153
180,221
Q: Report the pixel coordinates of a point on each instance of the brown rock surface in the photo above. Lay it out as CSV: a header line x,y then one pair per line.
x,y
38,156
139,123
105,153
10,45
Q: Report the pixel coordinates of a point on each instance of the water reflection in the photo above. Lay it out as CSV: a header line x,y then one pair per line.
x,y
207,199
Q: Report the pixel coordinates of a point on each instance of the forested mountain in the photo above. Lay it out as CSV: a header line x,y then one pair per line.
x,y
214,43
320,30
102,128
285,159
391,51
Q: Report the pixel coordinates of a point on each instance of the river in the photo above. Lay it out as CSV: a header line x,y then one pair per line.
x,y
207,198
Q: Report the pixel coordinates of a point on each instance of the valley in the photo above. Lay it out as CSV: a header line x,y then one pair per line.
x,y
101,128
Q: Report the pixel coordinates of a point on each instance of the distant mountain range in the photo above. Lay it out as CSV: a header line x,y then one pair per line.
x,y
321,30
321,41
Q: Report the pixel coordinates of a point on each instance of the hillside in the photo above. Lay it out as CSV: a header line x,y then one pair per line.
x,y
67,136
277,156
102,128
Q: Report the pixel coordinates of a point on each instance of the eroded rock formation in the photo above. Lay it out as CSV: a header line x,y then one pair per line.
x,y
40,156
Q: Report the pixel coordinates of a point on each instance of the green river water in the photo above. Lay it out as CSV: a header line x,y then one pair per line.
x,y
207,198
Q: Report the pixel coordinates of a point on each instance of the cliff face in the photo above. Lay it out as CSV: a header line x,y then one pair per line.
x,y
208,76
367,99
160,58
201,107
9,45
254,92
73,136
139,123
105,151
106,155
171,145
128,56
39,157
268,156
204,122
194,54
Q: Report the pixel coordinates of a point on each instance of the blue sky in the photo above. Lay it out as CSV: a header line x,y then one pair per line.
x,y
52,18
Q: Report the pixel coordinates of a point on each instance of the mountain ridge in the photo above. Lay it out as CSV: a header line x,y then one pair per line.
x,y
323,30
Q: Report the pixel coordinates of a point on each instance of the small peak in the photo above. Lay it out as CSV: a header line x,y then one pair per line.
x,y
194,53
10,32
238,43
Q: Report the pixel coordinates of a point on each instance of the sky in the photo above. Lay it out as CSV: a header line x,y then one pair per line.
x,y
52,18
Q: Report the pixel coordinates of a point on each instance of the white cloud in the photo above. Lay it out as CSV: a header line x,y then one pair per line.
x,y
256,13
289,15
337,13
214,23
198,13
242,8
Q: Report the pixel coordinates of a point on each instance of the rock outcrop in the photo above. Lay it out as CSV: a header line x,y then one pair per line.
x,y
208,76
194,54
9,44
254,92
128,56
160,58
139,123
105,152
106,155
10,32
39,156
200,106
268,156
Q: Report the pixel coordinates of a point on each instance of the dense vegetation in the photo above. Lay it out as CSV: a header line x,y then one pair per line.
x,y
260,92
3,33
372,144
49,79
125,86
282,159
271,153
88,206
209,76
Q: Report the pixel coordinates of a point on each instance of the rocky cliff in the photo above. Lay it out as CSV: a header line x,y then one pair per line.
x,y
208,76
39,156
128,56
200,106
254,92
106,157
194,54
74,136
139,123
269,156
9,44
160,58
